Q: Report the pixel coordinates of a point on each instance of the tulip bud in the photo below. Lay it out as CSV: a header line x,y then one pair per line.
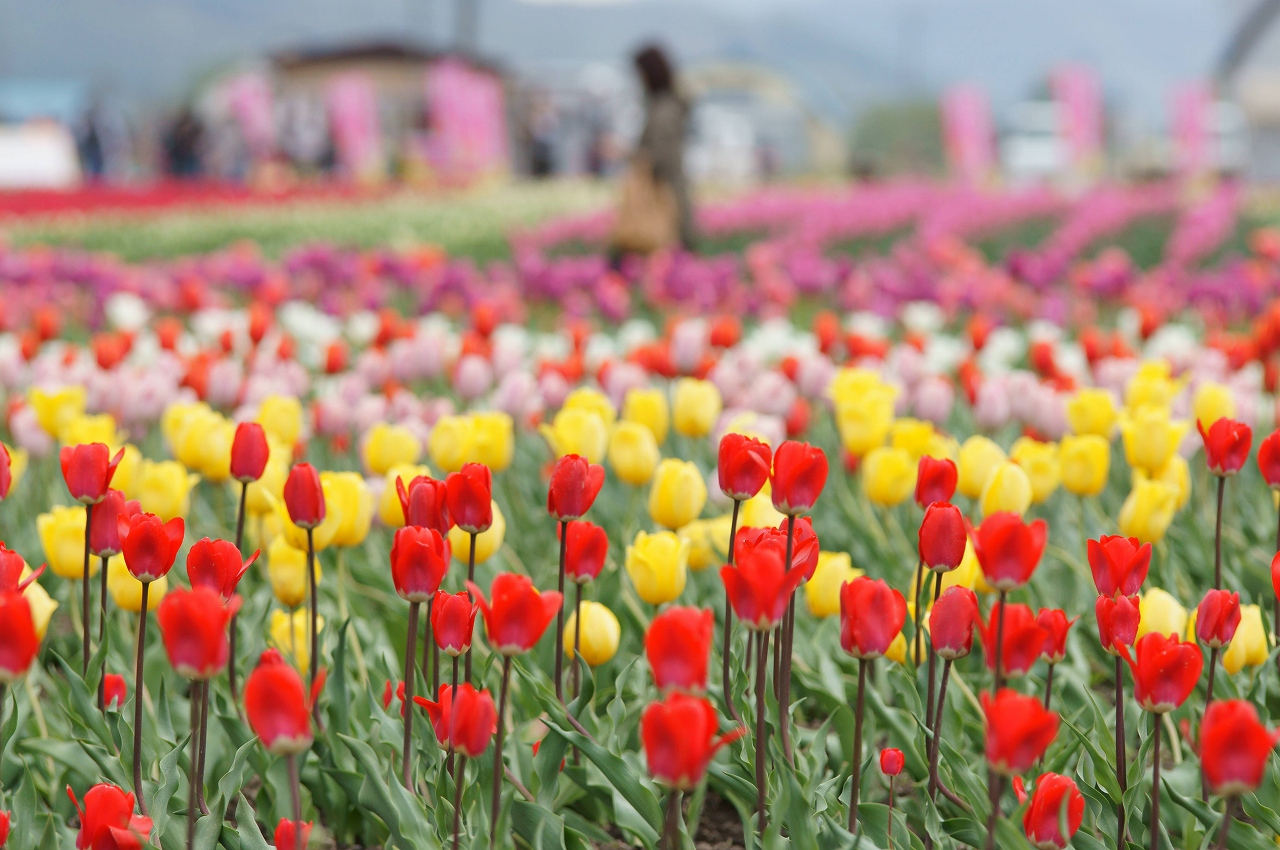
x,y
951,622
658,565
585,551
743,465
1234,747
278,706
1118,619
633,453
1217,617
292,836
249,452
419,562
1055,801
387,446
1019,730
935,480
107,819
87,470
891,761
193,624
678,646
1085,462
304,497
677,494
453,621
888,476
575,482
517,615
599,636
871,616
799,474
1055,624
649,408
104,528
1226,446
695,407
1009,549
149,545
577,431
424,503
679,736
115,691
942,537
469,495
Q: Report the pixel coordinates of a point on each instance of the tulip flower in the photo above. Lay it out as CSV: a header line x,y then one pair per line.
x,y
759,584
822,590
979,456
1217,617
695,407
743,467
1226,445
1161,613
1019,730
1118,619
453,619
678,646
463,718
115,691
1269,459
888,476
648,407
305,502
279,708
1165,671
577,431
1055,624
1119,564
469,494
1055,802
658,565
388,445
348,500
677,494
1092,411
942,537
891,764
424,503
586,550
249,455
217,565
935,481
1040,461
1249,645
951,624
633,453
19,643
1011,639
1085,462
1008,490
107,821
6,480
598,637
292,835
799,474
1009,549
1151,437
1234,747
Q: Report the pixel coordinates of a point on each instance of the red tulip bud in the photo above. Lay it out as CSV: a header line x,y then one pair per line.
x,y
871,616
935,480
1235,747
1226,445
680,739
799,474
249,452
88,469
469,494
678,646
575,481
743,465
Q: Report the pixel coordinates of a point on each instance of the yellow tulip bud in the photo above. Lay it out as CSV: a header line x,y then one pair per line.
x,y
1008,489
888,476
600,635
493,439
61,533
164,488
1092,411
346,493
708,541
677,494
1249,647
865,419
979,456
968,574
390,511
1148,510
173,421
633,453
1176,472
281,418
822,592
1040,462
576,431
18,461
648,406
42,604
658,565
695,407
488,542
851,382
56,408
287,570
897,651
98,428
916,436
587,398
759,512
1151,437
449,443
390,445
202,442
1086,463
126,591
269,489
1152,386
291,635
1213,402
1160,613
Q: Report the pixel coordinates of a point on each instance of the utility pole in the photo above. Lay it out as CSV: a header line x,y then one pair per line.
x,y
467,26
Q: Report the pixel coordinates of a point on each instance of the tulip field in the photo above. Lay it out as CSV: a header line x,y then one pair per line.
x,y
899,516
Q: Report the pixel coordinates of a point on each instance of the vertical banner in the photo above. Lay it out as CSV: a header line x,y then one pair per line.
x,y
353,117
1078,94
1193,152
968,134
468,121
249,98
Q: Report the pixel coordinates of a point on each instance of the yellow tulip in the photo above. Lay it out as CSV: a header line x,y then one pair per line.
x,y
888,476
324,534
1212,402
708,541
1040,462
1092,411
281,418
600,635
98,428
1086,462
633,453
269,489
390,511
658,565
1151,437
759,512
493,439
648,406
1176,472
979,456
390,445
1148,510
19,459
576,431
852,382
291,635
968,574
1152,386
916,436
42,604
126,591
865,419
677,494
346,493
449,443
822,592
1249,647
488,542
174,419
695,407
897,651
287,570
1160,613
587,398
56,408
164,488
1008,489
203,443
61,533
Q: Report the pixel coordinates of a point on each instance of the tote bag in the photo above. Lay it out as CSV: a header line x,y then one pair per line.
x,y
647,211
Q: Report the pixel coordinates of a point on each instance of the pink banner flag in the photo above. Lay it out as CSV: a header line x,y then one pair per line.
x,y
968,133
1079,97
1192,140
468,120
249,97
353,119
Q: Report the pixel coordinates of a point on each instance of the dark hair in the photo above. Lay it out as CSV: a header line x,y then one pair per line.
x,y
655,69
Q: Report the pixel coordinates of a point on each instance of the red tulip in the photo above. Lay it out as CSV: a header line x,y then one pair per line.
x,y
292,836
216,564
1054,800
804,544
891,761
1226,445
388,693
1023,639
303,496
453,621
575,481
104,525
115,690
149,545
1217,617
1019,730
951,622
935,480
467,729
107,821
6,481
1119,564
1275,574
517,615
4,820
1117,622
193,624
249,452
419,562
743,465
87,469
469,494
585,552
871,616
1269,459
943,535
11,567
758,585
425,503
1165,671
678,646
799,474
680,739
1234,747
18,641
1055,624
1009,549
278,706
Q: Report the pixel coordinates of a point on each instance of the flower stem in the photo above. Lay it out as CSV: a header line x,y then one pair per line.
x,y
193,767
919,634
203,748
576,673
1121,758
84,618
935,743
671,832
471,576
1217,537
311,587
407,703
995,786
244,500
448,759
295,794
933,660
564,554
457,798
1048,687
231,657
1155,786
727,641
788,632
1208,698
998,681
102,629
497,750
890,813
137,702
1226,823
762,731
856,767
426,646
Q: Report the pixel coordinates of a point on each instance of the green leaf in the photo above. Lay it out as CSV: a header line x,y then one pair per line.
x,y
250,836
159,806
